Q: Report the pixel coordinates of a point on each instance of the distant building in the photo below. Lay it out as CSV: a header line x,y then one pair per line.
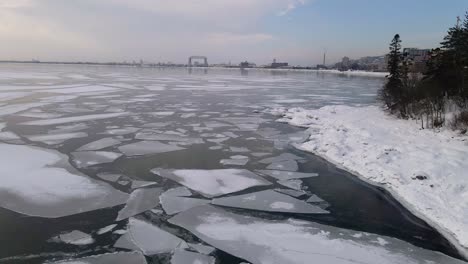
x,y
247,64
416,58
276,65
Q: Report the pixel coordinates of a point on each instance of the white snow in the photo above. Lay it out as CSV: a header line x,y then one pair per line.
x,y
71,119
41,182
75,237
261,241
391,153
211,183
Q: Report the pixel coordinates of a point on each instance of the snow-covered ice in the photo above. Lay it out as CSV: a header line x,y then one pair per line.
x,y
269,201
51,139
212,183
261,241
140,200
288,165
148,238
147,148
392,153
41,182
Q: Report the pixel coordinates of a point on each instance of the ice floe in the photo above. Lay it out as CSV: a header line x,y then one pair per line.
x,y
83,159
106,229
99,144
41,182
72,119
173,202
261,241
75,237
140,200
147,148
212,183
286,175
148,238
52,139
187,257
288,165
204,249
108,258
269,201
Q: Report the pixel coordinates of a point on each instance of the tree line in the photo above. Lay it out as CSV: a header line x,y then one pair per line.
x,y
440,92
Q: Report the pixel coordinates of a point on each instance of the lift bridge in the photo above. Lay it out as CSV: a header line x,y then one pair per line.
x,y
205,60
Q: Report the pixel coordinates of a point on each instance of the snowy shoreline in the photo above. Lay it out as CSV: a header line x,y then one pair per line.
x,y
423,169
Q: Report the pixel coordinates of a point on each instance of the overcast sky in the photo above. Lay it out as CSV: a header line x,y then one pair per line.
x,y
297,31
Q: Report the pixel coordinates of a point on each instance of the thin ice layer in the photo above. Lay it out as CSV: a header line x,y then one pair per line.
x,y
269,201
147,147
148,238
212,183
140,200
262,241
41,182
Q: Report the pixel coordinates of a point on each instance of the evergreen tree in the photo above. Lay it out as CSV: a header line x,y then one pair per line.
x,y
392,92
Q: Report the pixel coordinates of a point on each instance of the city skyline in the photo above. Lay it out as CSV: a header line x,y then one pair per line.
x,y
297,31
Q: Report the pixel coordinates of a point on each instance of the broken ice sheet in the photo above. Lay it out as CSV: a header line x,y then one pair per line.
x,y
99,144
235,160
147,147
286,175
75,237
140,200
315,199
212,183
151,135
202,248
172,203
262,241
108,258
83,159
292,184
289,165
269,201
54,188
148,238
52,139
141,184
73,119
186,257
282,157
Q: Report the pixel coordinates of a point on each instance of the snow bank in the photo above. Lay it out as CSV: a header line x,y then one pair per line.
x,y
424,169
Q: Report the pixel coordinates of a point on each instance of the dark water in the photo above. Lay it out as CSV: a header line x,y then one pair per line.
x,y
212,96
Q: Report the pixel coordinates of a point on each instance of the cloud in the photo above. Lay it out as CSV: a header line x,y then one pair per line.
x,y
293,4
133,29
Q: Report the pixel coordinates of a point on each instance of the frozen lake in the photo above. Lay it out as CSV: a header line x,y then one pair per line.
x,y
185,165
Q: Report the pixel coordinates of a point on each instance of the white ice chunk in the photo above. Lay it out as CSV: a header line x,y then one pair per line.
x,y
75,237
100,144
148,238
239,149
269,201
315,199
140,200
286,175
106,229
109,258
261,241
238,162
211,183
147,147
293,193
149,135
73,119
122,131
186,257
83,159
141,184
41,182
174,204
